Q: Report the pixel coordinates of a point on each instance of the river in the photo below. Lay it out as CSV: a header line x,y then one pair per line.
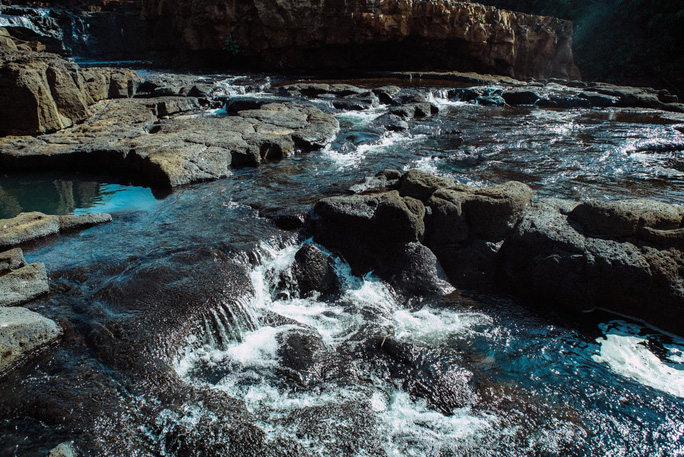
x,y
360,372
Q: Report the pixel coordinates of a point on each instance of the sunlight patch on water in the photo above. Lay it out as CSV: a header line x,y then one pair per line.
x,y
628,355
115,197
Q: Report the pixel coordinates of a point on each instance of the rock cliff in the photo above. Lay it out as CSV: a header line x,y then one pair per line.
x,y
367,34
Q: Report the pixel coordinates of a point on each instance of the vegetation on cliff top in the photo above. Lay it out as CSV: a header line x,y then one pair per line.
x,y
621,41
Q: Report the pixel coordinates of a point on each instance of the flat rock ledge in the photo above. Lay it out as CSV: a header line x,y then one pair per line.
x,y
31,226
169,142
623,256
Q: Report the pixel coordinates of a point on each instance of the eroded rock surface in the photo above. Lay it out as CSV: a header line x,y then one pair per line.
x,y
359,34
19,281
22,332
147,139
556,261
43,93
623,256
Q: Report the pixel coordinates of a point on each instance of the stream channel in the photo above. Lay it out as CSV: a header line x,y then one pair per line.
x,y
259,370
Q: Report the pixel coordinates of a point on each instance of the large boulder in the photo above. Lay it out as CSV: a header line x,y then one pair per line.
x,y
379,232
467,225
549,259
313,271
39,93
625,218
21,333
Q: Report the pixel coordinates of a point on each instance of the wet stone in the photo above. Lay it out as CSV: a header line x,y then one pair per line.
x,y
22,332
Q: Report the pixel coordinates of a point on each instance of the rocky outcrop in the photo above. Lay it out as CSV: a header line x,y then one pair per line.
x,y
370,35
623,256
39,93
141,137
43,93
28,227
594,255
19,281
22,332
380,232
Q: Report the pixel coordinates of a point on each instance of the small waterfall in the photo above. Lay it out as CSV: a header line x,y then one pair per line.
x,y
61,31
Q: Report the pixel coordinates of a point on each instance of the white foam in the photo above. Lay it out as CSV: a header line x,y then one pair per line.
x,y
435,326
627,355
411,428
257,348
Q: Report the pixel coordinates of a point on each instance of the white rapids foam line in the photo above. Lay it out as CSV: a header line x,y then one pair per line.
x,y
434,325
405,421
626,355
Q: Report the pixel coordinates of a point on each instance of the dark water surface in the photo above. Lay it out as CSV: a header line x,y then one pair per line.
x,y
359,373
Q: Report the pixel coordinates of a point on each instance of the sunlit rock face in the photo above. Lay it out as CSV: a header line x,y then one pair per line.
x,y
363,34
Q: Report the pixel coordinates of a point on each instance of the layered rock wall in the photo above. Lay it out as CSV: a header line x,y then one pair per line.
x,y
365,34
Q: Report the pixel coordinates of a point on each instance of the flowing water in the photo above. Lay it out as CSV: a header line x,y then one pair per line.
x,y
360,372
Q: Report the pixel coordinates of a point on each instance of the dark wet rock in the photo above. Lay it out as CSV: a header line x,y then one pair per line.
x,y
421,185
390,174
313,271
401,218
392,122
418,272
666,238
562,100
520,97
22,332
370,231
636,97
386,94
356,102
410,111
490,100
599,100
470,264
625,218
548,260
304,354
289,219
466,227
493,211
488,213
435,375
246,102
666,97
31,226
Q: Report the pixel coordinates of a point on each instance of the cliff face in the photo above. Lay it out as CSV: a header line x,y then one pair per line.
x,y
368,34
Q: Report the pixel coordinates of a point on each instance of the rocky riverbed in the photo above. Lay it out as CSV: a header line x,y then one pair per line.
x,y
408,257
